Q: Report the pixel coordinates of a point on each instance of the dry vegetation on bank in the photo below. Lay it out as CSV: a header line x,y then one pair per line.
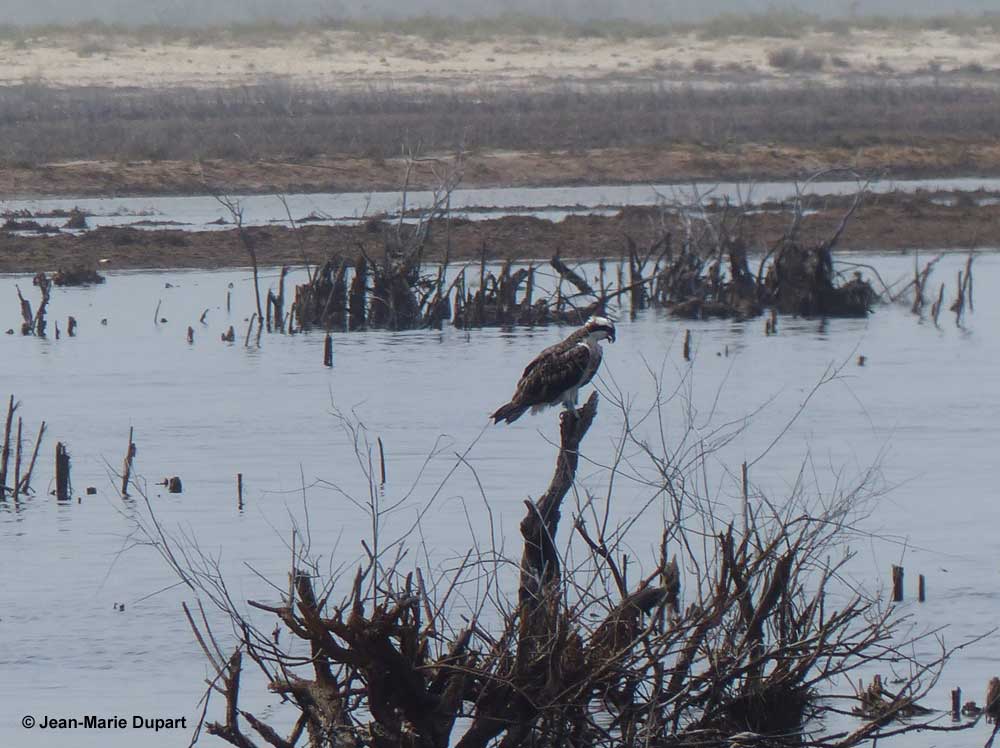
x,y
284,121
284,138
100,109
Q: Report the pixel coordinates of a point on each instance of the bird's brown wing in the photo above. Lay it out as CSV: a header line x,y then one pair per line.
x,y
555,349
548,376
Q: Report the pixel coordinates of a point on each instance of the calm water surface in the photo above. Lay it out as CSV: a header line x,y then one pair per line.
x,y
925,406
203,212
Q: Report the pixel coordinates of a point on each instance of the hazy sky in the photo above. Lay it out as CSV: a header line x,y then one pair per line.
x,y
192,12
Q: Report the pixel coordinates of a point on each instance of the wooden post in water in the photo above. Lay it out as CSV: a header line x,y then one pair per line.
x,y
229,298
127,464
328,351
5,456
921,590
381,460
529,288
31,465
956,704
63,485
17,459
239,491
246,340
687,345
936,306
897,584
190,335
71,327
746,499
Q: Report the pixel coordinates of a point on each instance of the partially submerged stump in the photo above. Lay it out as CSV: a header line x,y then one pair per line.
x,y
801,281
63,484
77,276
77,220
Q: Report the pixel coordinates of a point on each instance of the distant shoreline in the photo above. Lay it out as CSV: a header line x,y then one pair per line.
x,y
886,222
679,164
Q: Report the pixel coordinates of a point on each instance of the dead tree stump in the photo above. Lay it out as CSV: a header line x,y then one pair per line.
x,y
897,584
63,484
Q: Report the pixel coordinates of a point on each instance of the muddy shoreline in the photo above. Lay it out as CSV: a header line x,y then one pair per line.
x,y
676,164
893,222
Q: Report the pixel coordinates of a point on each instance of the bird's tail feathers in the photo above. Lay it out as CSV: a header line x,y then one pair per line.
x,y
508,413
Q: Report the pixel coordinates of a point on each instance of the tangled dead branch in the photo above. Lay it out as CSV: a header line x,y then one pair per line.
x,y
734,631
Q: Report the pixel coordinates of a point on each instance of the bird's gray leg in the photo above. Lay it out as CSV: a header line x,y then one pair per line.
x,y
569,401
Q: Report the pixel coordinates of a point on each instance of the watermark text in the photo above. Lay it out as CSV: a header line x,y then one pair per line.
x,y
104,722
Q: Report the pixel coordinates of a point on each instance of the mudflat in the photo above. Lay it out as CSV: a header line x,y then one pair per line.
x,y
893,222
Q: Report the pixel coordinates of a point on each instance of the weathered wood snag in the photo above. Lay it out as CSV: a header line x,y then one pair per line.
x,y
63,484
127,462
328,351
573,652
801,281
34,323
25,486
77,276
322,301
897,583
5,456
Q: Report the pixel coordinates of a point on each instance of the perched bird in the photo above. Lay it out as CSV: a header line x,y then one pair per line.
x,y
557,373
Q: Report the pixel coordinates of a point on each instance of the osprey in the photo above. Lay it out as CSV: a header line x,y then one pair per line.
x,y
557,373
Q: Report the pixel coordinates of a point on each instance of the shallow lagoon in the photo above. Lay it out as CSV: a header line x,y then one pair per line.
x,y
926,406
